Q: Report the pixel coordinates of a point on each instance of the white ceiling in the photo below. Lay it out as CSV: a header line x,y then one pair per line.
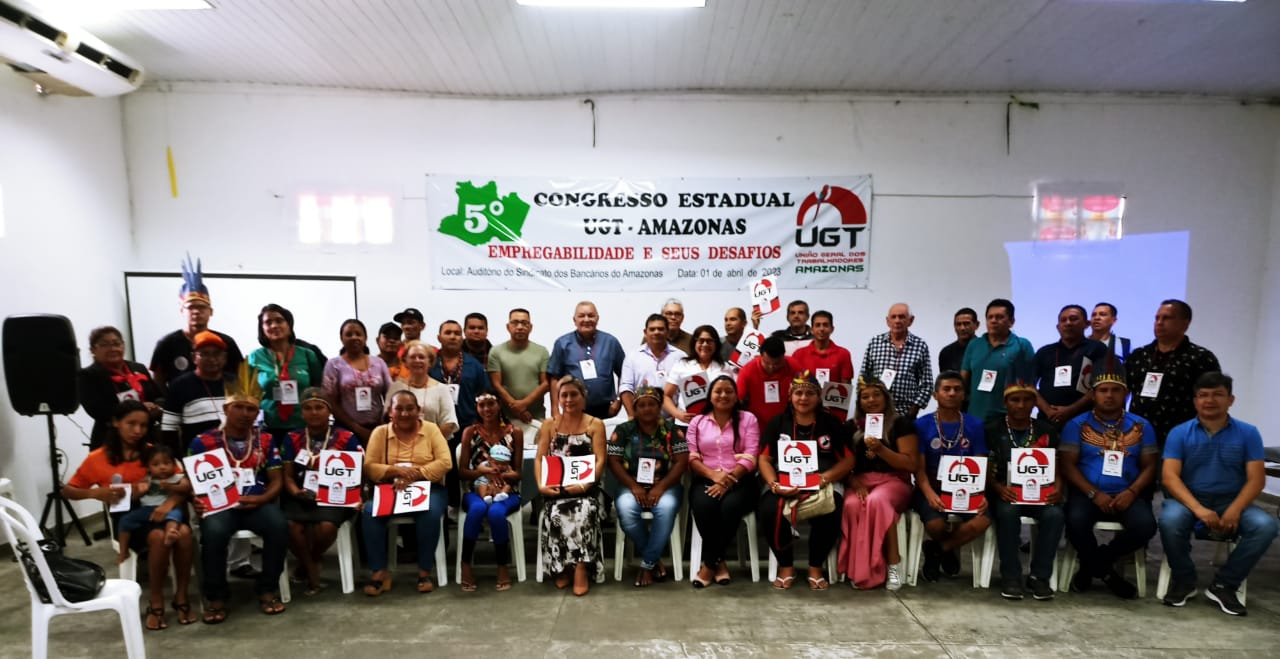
x,y
497,48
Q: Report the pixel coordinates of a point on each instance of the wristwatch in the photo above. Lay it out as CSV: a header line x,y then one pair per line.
x,y
1091,494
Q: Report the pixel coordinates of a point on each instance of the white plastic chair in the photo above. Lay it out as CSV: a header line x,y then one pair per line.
x,y
346,557
989,557
1166,575
977,550
442,559
1069,561
515,520
129,568
752,545
118,595
6,490
676,541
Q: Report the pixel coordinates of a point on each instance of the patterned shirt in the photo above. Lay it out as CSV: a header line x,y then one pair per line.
x,y
257,453
1181,368
913,382
1091,438
630,443
336,439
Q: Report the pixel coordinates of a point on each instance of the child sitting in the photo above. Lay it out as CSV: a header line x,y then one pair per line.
x,y
154,505
499,458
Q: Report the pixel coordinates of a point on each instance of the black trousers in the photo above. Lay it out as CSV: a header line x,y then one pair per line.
x,y
718,519
824,531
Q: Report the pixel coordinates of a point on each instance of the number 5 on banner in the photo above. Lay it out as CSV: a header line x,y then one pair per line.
x,y
477,221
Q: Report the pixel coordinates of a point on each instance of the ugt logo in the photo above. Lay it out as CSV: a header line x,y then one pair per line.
x,y
340,466
1033,463
208,469
853,218
964,472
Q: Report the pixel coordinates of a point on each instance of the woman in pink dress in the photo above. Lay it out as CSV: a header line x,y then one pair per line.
x,y
879,489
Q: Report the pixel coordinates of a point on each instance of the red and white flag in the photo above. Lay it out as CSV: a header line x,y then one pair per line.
x,y
415,497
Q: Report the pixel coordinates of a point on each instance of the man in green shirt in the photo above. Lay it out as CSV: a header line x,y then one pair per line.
x,y
518,371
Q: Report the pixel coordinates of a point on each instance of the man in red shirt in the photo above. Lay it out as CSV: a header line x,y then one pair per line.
x,y
764,384
827,361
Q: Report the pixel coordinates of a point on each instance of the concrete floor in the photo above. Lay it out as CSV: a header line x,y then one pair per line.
x,y
945,619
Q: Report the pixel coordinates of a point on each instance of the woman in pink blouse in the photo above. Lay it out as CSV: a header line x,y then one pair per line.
x,y
723,444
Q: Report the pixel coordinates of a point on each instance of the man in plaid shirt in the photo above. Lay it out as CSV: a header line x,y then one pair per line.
x,y
901,360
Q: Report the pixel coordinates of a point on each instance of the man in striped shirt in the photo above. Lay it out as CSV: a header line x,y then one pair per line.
x,y
195,399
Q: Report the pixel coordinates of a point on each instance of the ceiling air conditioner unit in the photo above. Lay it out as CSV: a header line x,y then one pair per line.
x,y
62,58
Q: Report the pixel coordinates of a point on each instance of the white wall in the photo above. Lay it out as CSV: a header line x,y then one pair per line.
x,y
1267,361
66,241
1207,167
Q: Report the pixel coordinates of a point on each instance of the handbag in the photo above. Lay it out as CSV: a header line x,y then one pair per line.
x,y
78,580
810,504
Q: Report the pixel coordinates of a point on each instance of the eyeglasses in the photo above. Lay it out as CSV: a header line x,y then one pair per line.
x,y
520,323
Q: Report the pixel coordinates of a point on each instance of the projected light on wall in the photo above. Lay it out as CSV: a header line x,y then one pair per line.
x,y
1134,274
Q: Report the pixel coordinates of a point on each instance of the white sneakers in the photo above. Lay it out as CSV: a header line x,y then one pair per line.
x,y
893,581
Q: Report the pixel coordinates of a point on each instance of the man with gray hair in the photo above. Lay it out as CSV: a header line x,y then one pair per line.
x,y
900,360
673,310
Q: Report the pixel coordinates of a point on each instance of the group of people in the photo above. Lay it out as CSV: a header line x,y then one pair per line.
x,y
695,407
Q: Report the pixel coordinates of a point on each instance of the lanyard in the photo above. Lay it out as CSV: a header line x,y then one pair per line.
x,y
1111,431
324,445
1013,439
217,410
282,363
412,445
958,439
452,375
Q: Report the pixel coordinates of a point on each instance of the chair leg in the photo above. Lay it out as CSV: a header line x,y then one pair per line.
x,y
131,625
1068,569
40,632
537,568
695,550
619,550
1140,571
753,546
462,521
516,522
442,559
1162,581
345,558
677,548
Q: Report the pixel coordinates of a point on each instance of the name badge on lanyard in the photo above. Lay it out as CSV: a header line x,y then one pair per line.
x,y
311,481
1151,385
127,394
772,392
246,478
1113,463
364,399
453,392
303,458
647,468
887,376
1062,376
288,392
823,375
988,381
588,367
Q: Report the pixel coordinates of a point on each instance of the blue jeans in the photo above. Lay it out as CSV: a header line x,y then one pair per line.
x,y
426,523
1139,528
267,522
652,540
140,518
1048,531
1257,530
478,511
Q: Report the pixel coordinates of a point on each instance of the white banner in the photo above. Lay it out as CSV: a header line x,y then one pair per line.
x,y
518,233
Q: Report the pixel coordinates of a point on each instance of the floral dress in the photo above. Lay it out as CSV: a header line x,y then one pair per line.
x,y
571,531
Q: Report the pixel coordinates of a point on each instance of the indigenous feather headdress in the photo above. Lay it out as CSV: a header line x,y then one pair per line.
x,y
193,287
245,388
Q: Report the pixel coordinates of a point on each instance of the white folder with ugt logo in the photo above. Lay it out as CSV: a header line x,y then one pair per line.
x,y
563,471
964,482
339,478
212,480
798,464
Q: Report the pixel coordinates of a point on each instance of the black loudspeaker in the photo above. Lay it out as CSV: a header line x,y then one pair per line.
x,y
41,362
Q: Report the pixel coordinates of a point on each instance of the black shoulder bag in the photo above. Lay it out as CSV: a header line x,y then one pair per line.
x,y
78,580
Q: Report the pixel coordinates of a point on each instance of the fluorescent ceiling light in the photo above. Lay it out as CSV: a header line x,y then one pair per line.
x,y
111,6
616,4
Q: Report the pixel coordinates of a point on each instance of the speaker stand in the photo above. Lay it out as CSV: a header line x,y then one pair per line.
x,y
55,502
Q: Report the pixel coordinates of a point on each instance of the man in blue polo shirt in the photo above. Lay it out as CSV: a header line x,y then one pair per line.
x,y
591,356
947,431
989,361
1109,457
1213,471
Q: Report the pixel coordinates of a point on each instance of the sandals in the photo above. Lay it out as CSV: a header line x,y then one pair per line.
x,y
783,583
640,581
158,614
376,587
184,612
271,605
468,586
313,589
215,614
818,583
503,586
425,585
